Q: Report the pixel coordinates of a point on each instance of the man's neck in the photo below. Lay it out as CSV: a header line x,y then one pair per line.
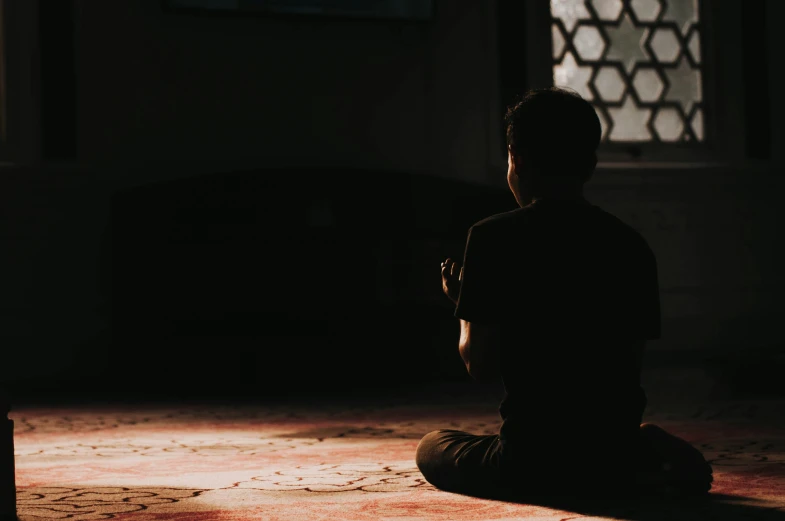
x,y
565,196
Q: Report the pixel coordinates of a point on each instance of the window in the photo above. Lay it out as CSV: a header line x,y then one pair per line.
x,y
674,82
638,61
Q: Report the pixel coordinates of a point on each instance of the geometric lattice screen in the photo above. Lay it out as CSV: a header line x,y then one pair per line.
x,y
637,61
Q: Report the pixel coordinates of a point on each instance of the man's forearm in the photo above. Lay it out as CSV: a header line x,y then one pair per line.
x,y
479,346
464,346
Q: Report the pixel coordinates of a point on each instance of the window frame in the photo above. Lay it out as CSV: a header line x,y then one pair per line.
x,y
21,82
722,84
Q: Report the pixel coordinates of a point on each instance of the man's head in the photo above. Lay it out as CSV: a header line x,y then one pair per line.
x,y
552,140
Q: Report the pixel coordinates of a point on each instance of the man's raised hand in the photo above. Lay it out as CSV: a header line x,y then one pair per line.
x,y
452,275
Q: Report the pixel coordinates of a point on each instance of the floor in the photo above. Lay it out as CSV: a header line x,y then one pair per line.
x,y
352,458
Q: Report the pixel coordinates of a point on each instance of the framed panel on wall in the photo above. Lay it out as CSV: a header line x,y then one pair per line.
x,y
411,10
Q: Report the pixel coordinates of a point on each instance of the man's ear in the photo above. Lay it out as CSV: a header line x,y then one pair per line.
x,y
514,156
519,161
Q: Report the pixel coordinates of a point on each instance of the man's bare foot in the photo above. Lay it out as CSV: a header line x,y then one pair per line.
x,y
671,464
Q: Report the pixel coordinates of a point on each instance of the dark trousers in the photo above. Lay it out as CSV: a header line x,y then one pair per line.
x,y
487,466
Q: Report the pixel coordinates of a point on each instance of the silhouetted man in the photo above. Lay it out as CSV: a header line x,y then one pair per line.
x,y
557,299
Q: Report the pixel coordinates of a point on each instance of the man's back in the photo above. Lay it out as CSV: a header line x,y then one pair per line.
x,y
558,298
575,293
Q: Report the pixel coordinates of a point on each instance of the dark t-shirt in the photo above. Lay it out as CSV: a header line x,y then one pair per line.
x,y
574,292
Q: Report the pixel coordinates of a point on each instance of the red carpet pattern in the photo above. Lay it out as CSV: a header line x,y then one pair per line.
x,y
342,462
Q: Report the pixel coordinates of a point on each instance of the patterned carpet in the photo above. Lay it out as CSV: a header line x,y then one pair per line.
x,y
349,460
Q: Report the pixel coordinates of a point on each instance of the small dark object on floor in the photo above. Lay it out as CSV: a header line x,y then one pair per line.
x,y
7,466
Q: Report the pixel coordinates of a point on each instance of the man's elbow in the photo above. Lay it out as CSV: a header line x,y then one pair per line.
x,y
483,372
479,367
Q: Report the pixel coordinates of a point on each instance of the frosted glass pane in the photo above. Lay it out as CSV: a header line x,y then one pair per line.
x,y
569,12
629,122
609,84
683,12
603,123
588,42
607,9
665,45
697,124
635,53
695,46
646,10
684,85
558,41
648,85
668,124
569,74
626,43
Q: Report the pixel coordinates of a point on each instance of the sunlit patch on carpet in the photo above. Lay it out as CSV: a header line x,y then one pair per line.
x,y
359,477
350,463
95,502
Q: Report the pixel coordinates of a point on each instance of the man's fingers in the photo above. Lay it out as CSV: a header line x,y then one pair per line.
x,y
451,269
446,266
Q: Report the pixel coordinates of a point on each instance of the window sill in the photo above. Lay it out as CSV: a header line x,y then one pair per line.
x,y
661,165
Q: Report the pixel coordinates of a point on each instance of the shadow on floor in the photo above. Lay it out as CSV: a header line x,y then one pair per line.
x,y
713,507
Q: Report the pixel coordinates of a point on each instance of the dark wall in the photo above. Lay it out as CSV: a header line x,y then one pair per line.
x,y
281,281
155,96
165,98
715,232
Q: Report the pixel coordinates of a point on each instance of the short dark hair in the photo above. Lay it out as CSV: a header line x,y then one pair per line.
x,y
555,129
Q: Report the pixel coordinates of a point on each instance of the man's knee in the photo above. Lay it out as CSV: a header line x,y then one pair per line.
x,y
427,455
435,462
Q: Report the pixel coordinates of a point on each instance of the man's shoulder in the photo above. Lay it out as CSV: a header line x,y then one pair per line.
x,y
499,221
624,230
502,223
